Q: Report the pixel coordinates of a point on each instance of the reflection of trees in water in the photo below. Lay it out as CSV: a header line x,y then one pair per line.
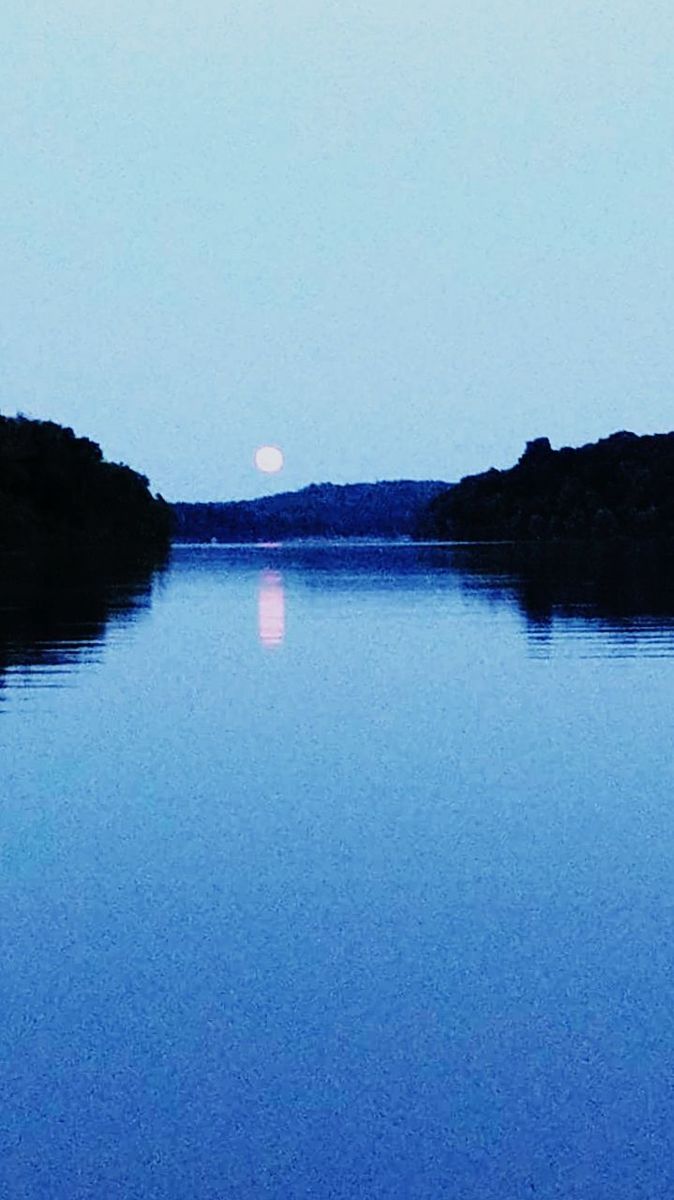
x,y
612,582
55,610
616,584
619,593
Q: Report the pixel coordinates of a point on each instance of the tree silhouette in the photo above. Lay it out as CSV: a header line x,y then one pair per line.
x,y
56,487
619,487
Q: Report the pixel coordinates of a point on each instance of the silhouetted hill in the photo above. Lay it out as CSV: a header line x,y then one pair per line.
x,y
57,488
386,509
621,486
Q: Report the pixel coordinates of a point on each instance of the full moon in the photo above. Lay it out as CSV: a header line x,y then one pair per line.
x,y
268,459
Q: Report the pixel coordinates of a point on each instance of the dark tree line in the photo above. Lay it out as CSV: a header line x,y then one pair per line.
x,y
57,488
619,487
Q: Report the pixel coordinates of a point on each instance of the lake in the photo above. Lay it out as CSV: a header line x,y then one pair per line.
x,y
336,872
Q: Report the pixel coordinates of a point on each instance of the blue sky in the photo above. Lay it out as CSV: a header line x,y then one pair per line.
x,y
397,239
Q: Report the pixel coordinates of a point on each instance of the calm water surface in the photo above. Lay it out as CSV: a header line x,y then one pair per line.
x,y
338,873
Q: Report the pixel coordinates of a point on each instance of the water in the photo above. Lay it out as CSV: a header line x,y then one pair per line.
x,y
338,873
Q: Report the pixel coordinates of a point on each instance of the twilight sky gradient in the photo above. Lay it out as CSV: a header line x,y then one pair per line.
x,y
395,238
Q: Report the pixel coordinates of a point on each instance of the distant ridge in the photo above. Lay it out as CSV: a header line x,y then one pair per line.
x,y
390,508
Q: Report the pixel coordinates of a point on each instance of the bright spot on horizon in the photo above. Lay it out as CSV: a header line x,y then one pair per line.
x,y
268,459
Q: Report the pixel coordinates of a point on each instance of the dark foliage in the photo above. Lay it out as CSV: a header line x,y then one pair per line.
x,y
386,509
57,488
619,487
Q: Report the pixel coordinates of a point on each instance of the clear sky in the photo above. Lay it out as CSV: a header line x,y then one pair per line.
x,y
397,238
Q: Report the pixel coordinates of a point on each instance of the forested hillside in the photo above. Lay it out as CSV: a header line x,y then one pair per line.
x,y
386,509
621,486
56,488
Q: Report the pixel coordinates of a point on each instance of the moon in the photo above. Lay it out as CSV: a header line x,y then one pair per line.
x,y
268,459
